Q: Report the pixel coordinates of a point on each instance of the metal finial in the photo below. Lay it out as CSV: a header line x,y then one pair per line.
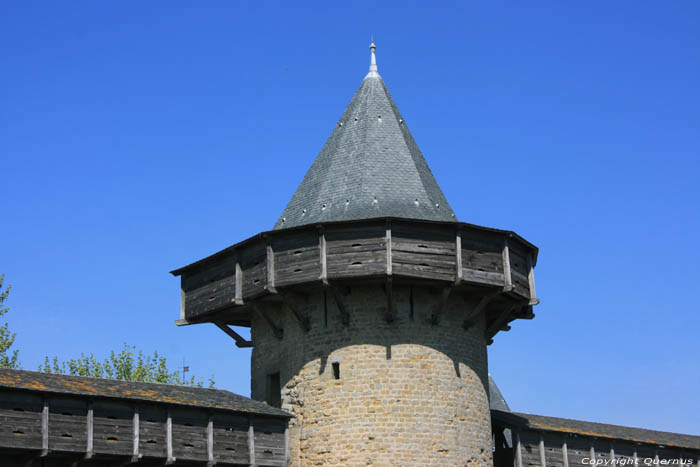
x,y
373,60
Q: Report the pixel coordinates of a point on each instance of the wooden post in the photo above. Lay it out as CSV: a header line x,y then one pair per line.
x,y
634,456
287,456
239,284
458,257
518,456
531,280
251,443
45,428
507,280
565,453
169,438
210,441
543,458
270,255
592,453
612,452
90,430
135,455
388,249
323,253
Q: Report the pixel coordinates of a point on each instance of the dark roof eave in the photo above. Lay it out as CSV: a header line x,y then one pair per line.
x,y
594,429
234,247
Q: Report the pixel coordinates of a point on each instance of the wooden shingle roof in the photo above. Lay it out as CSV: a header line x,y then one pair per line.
x,y
171,394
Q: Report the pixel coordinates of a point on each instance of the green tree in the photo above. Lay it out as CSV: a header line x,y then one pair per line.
x,y
129,364
7,360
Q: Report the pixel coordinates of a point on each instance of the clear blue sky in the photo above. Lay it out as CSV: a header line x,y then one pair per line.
x,y
137,137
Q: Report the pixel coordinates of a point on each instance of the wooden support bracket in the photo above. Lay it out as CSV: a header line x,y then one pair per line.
x,y
337,297
240,341
439,309
276,330
474,313
289,299
501,321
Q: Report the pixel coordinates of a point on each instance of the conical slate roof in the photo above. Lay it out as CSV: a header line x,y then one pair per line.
x,y
369,167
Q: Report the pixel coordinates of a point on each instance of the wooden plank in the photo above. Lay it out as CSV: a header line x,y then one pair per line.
x,y
45,428
507,282
90,430
241,342
251,443
458,257
543,457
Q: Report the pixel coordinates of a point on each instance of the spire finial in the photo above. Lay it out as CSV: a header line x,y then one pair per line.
x,y
373,60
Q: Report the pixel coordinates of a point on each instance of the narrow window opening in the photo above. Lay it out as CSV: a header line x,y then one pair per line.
x,y
336,370
273,396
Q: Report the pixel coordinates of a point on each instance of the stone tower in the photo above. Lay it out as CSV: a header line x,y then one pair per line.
x,y
370,305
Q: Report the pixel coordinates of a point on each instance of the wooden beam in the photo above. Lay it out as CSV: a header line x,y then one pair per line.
x,y
238,294
240,340
344,315
169,439
439,309
90,431
291,303
210,442
565,453
45,428
474,313
270,255
592,452
323,254
251,443
507,279
543,457
287,456
276,330
531,280
458,258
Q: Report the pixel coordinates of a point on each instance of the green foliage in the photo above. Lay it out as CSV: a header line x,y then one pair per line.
x,y
6,337
129,364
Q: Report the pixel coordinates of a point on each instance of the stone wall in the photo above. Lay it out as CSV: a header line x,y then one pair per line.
x,y
407,393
